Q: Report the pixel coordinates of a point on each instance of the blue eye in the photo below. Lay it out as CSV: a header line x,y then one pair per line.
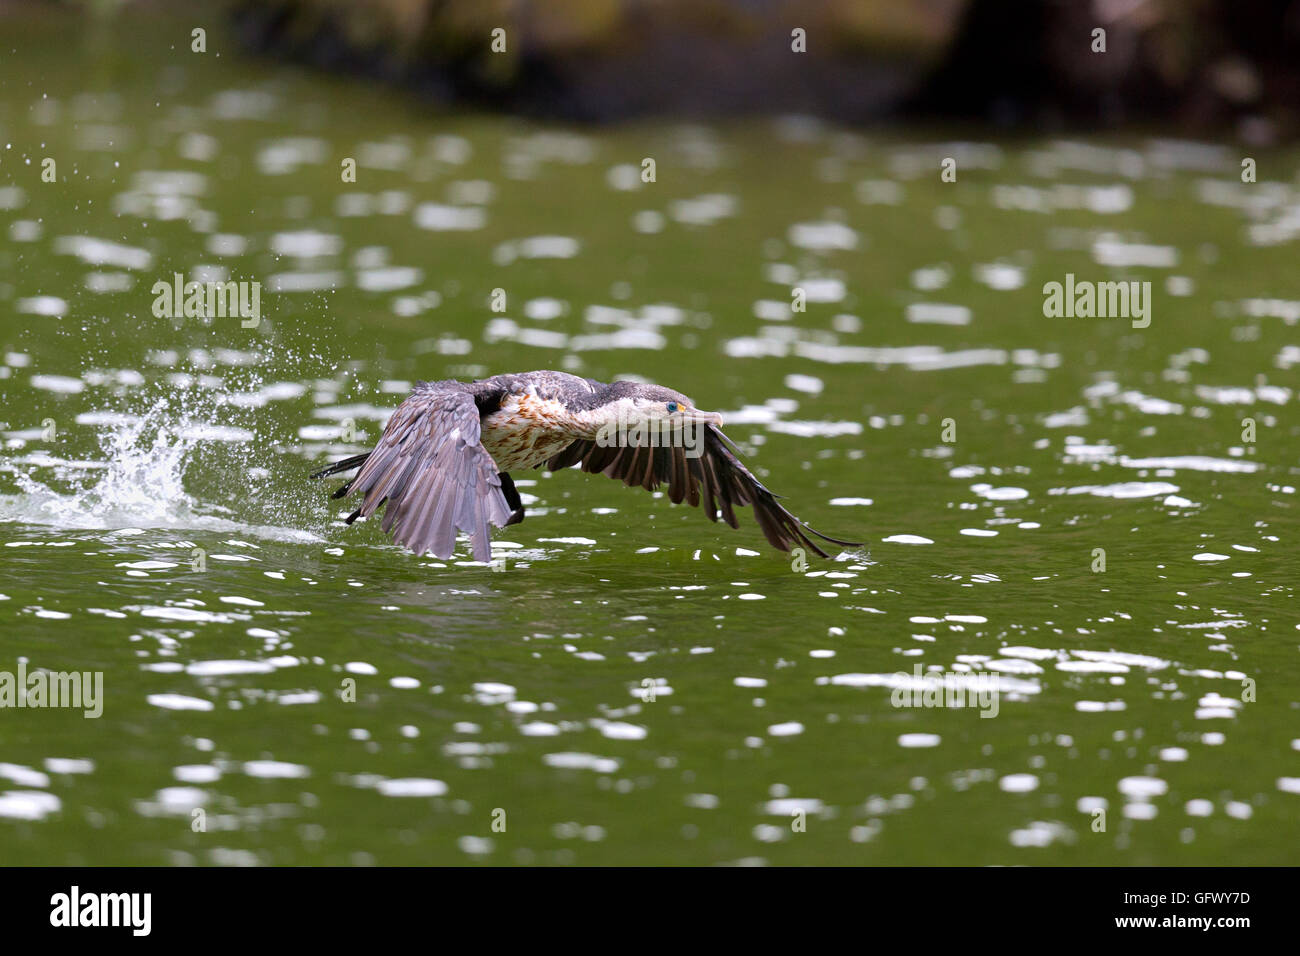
x,y
672,406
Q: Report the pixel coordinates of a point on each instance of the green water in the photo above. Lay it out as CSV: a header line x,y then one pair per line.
x,y
631,684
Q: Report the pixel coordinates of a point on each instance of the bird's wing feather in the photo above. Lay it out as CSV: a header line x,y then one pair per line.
x,y
435,475
715,477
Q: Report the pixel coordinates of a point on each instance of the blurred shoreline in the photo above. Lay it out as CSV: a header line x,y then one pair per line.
x,y
1201,67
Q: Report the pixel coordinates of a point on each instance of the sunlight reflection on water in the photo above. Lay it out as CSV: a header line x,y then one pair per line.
x,y
621,656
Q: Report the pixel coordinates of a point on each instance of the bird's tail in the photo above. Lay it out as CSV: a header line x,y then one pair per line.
x,y
356,461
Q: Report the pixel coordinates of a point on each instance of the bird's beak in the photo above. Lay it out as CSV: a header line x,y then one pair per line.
x,y
697,417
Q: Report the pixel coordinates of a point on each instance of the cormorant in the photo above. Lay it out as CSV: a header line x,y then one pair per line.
x,y
444,459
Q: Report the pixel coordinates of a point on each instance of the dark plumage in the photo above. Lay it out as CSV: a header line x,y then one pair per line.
x,y
443,461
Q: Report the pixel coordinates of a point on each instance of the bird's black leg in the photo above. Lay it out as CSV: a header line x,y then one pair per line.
x,y
512,499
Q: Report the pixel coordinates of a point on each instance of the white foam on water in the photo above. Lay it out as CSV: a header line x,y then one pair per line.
x,y
138,485
1018,783
275,769
938,313
28,804
1125,489
412,787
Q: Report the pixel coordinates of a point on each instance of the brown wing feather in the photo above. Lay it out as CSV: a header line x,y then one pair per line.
x,y
716,477
434,474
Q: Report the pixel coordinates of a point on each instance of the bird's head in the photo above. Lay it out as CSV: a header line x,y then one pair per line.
x,y
655,405
636,415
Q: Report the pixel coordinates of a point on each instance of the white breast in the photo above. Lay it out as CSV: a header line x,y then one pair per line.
x,y
525,432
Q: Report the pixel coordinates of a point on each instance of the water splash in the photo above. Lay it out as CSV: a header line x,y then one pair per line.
x,y
138,484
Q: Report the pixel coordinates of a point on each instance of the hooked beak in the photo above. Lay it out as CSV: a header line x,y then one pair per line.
x,y
697,417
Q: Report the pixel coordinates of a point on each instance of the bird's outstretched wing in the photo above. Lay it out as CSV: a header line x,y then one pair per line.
x,y
715,477
434,474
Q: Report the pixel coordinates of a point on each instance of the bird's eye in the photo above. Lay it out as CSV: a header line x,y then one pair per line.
x,y
672,406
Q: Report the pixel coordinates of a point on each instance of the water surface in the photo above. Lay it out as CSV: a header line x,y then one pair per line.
x,y
629,683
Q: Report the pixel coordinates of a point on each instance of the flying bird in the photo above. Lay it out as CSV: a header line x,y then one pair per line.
x,y
444,460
